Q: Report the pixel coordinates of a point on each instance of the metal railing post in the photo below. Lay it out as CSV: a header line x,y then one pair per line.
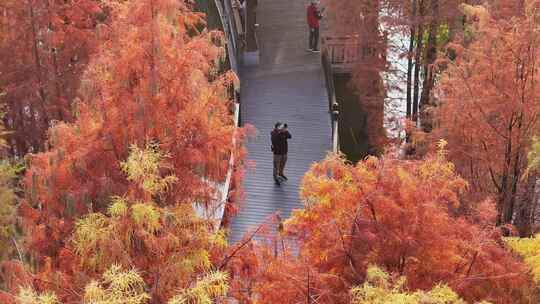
x,y
335,127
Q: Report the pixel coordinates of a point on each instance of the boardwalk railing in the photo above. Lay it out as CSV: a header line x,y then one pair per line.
x,y
339,55
234,16
215,212
333,106
230,30
342,52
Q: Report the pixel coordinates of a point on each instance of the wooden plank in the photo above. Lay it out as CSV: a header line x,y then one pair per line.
x,y
288,86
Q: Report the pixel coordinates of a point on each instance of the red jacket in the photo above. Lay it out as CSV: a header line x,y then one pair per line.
x,y
313,16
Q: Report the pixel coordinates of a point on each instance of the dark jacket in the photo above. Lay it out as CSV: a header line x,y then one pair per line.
x,y
279,141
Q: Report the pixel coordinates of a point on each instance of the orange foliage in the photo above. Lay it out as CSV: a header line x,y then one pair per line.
x,y
154,80
507,8
399,215
13,275
44,49
489,108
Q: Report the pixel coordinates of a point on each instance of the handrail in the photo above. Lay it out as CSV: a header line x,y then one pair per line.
x,y
343,37
230,34
217,212
237,18
231,17
335,133
333,105
342,50
327,69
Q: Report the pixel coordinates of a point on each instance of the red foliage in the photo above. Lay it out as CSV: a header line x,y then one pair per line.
x,y
6,298
154,80
13,275
489,110
395,214
44,49
381,29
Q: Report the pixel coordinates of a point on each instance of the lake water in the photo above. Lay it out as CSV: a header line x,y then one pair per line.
x,y
396,79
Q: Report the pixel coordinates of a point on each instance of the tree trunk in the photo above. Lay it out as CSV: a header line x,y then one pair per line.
x,y
53,51
153,50
410,64
429,60
527,206
374,47
43,115
417,61
505,207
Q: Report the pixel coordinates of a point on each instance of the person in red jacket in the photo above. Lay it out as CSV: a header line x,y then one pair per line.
x,y
313,17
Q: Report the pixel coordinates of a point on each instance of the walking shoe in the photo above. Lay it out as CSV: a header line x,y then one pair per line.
x,y
277,181
284,177
316,51
309,50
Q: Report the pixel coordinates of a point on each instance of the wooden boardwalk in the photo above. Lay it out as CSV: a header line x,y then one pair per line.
x,y
287,86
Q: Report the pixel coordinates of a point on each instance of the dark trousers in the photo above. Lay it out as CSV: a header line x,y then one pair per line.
x,y
314,38
279,164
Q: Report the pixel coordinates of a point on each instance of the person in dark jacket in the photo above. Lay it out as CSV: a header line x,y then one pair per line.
x,y
279,136
313,17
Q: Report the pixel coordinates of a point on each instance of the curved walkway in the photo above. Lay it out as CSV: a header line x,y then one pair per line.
x,y
287,86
